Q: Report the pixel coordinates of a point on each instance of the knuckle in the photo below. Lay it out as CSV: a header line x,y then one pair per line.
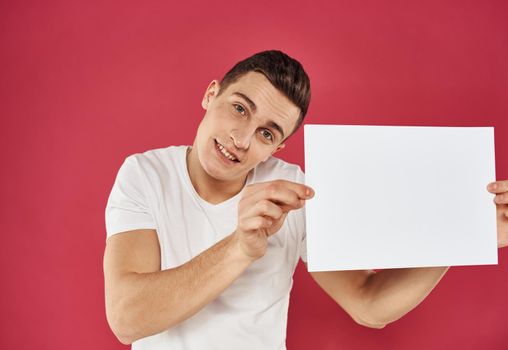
x,y
249,190
262,222
271,189
257,222
264,206
242,226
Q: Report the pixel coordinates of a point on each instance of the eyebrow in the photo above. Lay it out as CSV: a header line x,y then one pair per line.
x,y
276,127
253,106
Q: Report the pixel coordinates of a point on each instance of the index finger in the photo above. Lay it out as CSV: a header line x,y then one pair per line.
x,y
303,191
286,195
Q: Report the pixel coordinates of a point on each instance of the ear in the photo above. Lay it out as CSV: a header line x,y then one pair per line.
x,y
211,91
279,147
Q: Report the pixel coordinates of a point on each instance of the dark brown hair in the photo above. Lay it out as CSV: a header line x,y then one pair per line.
x,y
285,73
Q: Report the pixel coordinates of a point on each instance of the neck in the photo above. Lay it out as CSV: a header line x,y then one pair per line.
x,y
208,188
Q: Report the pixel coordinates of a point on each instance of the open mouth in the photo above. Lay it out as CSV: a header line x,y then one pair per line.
x,y
222,150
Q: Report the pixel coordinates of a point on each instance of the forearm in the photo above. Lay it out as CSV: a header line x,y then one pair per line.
x,y
154,302
393,293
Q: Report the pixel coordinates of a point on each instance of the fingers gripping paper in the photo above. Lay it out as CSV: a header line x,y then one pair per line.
x,y
396,196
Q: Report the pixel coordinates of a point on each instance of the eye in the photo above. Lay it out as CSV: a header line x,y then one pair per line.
x,y
239,108
267,135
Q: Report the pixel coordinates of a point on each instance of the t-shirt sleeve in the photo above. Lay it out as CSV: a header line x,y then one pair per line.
x,y
127,207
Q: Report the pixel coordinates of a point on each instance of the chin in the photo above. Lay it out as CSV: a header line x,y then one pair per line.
x,y
222,174
212,168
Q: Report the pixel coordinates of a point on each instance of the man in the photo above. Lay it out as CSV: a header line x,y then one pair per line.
x,y
203,240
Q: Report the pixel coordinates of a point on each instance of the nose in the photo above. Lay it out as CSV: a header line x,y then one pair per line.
x,y
241,138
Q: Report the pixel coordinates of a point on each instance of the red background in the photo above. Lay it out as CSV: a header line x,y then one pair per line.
x,y
83,85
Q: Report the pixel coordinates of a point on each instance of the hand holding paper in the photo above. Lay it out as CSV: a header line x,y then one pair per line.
x,y
262,211
500,188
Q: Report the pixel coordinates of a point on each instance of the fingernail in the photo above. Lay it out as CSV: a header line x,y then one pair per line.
x,y
493,186
309,192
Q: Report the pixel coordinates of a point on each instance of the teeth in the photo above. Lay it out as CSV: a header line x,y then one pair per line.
x,y
226,153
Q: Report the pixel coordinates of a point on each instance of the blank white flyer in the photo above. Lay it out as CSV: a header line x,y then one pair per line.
x,y
399,196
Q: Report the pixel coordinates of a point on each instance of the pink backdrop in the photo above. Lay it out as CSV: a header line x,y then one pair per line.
x,y
83,85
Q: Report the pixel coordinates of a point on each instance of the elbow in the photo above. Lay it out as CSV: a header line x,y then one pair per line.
x,y
127,326
121,333
121,327
123,339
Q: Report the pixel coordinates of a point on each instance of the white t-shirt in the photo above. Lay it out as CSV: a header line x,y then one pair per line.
x,y
153,191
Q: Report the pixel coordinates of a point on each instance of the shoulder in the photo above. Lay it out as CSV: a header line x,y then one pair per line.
x,y
274,168
156,156
155,167
156,160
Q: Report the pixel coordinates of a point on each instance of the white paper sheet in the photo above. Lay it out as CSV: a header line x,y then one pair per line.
x,y
399,196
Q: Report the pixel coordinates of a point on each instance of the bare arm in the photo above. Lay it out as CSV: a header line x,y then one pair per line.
x,y
376,299
142,300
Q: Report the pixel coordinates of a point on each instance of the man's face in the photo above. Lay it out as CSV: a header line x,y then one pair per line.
x,y
242,126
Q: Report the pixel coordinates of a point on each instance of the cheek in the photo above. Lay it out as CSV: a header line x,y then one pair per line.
x,y
219,117
209,123
260,152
